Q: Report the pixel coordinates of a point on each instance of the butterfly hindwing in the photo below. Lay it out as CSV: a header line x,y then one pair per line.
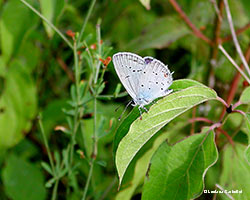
x,y
156,81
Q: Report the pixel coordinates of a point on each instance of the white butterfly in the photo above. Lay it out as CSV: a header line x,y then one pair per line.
x,y
145,79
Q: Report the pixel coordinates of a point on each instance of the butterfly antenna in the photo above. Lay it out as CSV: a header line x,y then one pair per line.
x,y
120,106
125,109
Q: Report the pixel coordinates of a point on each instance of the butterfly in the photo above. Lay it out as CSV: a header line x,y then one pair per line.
x,y
145,79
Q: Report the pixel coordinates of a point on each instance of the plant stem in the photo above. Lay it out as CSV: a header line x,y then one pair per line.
x,y
86,21
54,194
234,63
76,115
46,145
195,30
48,22
88,180
98,33
236,43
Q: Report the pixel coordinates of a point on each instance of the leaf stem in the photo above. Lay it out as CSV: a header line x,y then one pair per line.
x,y
46,145
234,63
98,33
54,194
48,22
86,20
195,30
236,43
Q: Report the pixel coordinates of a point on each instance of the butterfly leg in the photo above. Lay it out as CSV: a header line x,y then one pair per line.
x,y
145,109
140,112
168,92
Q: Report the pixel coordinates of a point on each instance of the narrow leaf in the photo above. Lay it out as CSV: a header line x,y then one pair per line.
x,y
146,4
158,116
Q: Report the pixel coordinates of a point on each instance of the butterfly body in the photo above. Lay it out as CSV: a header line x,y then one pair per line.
x,y
145,79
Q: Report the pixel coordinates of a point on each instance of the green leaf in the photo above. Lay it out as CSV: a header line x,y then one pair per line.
x,y
16,21
142,162
247,151
19,104
47,167
146,4
23,180
245,96
235,173
51,9
160,34
158,116
177,172
125,125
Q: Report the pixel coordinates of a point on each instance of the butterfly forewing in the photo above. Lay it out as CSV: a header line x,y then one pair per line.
x,y
129,68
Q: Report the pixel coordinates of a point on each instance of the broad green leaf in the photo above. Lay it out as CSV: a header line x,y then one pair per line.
x,y
16,20
160,34
142,162
247,151
19,105
245,96
140,170
51,9
177,172
235,173
134,114
158,116
146,3
23,180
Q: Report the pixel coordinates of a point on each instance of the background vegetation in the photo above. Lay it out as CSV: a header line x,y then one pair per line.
x,y
60,137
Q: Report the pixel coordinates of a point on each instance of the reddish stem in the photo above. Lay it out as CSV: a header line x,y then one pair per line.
x,y
226,134
235,82
200,119
239,31
195,30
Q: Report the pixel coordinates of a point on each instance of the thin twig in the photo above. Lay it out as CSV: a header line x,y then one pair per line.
x,y
86,21
200,119
195,30
235,82
229,196
238,31
65,68
216,41
48,22
217,10
98,33
234,63
226,134
236,43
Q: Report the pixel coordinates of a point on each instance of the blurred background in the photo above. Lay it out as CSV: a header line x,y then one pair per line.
x,y
37,73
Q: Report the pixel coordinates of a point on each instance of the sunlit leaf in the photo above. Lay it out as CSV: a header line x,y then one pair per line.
x,y
245,96
235,173
158,116
177,172
247,151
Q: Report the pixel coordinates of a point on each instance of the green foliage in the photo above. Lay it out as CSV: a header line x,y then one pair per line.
x,y
172,177
23,180
159,115
54,64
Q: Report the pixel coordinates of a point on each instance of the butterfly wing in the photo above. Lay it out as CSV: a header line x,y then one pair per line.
x,y
156,81
129,68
